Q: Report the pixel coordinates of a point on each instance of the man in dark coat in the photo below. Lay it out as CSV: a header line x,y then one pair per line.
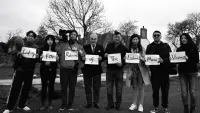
x,y
92,73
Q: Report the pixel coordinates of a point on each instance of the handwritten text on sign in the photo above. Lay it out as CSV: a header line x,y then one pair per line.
x,y
28,52
49,56
92,59
177,57
71,55
114,58
132,57
152,59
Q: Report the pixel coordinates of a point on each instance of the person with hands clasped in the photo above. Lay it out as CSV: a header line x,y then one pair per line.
x,y
48,72
92,73
159,73
188,72
24,70
139,73
114,72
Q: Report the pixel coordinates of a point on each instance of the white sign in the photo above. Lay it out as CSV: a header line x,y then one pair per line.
x,y
114,58
49,56
176,57
152,60
28,52
92,59
71,55
132,57
199,56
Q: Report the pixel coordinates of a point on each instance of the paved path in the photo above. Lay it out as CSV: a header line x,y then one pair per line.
x,y
38,80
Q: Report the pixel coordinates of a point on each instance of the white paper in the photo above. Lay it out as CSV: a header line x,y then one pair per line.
x,y
71,55
132,58
176,57
49,56
28,52
92,59
114,58
152,59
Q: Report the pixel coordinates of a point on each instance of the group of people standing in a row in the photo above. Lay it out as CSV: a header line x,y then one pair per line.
x,y
159,74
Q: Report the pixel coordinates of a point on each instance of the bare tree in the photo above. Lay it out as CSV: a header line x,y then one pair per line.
x,y
194,18
16,32
70,14
128,27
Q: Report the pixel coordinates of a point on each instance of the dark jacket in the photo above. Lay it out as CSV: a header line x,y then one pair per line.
x,y
53,65
93,69
22,63
111,49
163,50
190,65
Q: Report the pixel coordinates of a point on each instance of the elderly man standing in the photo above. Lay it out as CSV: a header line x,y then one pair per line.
x,y
92,72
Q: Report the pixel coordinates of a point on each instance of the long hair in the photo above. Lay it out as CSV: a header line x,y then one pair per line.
x,y
190,42
46,46
139,46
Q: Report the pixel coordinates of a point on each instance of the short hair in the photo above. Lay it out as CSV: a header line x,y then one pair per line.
x,y
157,32
73,31
117,33
34,34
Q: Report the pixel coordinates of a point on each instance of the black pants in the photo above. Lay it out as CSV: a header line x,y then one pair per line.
x,y
92,81
160,80
24,77
48,80
68,77
114,76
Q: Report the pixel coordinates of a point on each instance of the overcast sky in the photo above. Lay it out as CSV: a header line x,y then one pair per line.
x,y
152,14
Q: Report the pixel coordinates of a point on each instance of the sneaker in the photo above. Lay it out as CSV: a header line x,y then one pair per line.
x,y
62,108
155,110
7,111
26,108
109,107
42,107
165,110
140,108
133,107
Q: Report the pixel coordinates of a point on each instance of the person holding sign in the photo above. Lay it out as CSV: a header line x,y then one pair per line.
x,y
140,73
48,71
159,73
92,79
70,53
24,70
114,71
188,72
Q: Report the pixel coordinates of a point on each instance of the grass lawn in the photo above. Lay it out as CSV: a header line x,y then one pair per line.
x,y
175,102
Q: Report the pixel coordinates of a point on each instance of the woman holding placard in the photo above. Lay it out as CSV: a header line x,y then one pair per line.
x,y
48,70
139,72
188,72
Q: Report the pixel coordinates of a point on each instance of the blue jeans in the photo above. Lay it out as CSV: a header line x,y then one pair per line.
x,y
114,76
188,83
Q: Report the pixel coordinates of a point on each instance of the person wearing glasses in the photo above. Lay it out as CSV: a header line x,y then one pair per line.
x,y
159,73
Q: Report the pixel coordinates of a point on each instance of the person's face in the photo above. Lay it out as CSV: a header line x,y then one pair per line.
x,y
73,36
157,37
93,39
117,38
30,37
135,40
49,41
184,39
